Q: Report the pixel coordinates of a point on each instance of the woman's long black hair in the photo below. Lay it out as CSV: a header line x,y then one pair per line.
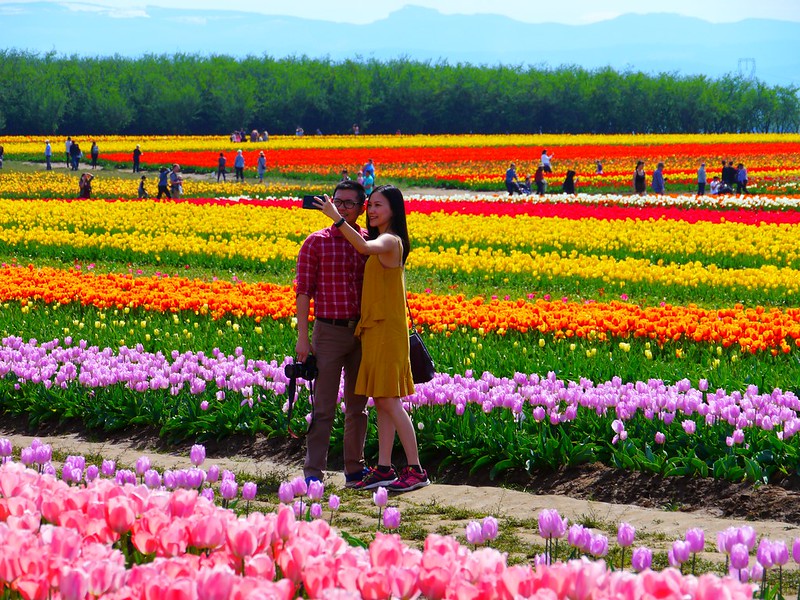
x,y
398,224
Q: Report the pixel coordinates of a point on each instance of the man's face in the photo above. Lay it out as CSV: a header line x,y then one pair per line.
x,y
344,198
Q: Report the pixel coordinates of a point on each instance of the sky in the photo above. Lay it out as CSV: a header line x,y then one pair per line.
x,y
575,12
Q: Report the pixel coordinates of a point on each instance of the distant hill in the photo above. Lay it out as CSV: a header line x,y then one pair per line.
x,y
652,43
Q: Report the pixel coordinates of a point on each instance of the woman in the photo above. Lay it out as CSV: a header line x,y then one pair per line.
x,y
385,371
538,178
85,186
95,153
741,179
569,183
176,181
262,166
639,179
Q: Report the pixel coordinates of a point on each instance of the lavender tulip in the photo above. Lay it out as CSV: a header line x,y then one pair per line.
x,y
142,465
6,447
764,553
489,528
625,534
197,454
92,473
316,510
641,559
27,456
212,475
108,468
474,533
780,553
228,489
598,545
696,538
299,508
299,486
333,502
391,518
380,497
740,556
208,494
249,490
316,489
286,492
152,479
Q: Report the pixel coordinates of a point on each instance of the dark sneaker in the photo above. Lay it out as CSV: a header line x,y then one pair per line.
x,y
376,478
409,480
352,480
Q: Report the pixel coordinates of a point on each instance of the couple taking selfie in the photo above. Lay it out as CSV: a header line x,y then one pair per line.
x,y
356,278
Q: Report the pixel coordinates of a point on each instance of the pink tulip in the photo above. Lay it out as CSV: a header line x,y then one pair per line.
x,y
380,497
286,492
316,489
215,584
119,514
73,583
489,528
660,438
373,584
333,502
403,582
207,532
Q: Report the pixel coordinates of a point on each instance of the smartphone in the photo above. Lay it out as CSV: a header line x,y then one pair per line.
x,y
308,202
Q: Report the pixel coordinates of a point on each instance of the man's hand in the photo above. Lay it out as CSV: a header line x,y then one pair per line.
x,y
302,349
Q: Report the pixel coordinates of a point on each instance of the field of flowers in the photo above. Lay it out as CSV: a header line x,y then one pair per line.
x,y
476,162
654,334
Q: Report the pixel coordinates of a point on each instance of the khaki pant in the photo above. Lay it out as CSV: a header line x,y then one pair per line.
x,y
336,348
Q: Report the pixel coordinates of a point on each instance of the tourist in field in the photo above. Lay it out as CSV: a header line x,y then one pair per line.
x,y
238,165
2,155
639,179
701,179
221,172
75,154
658,180
369,168
94,152
369,182
598,168
345,176
68,147
163,183
331,271
729,175
85,186
360,177
546,158
261,166
385,371
512,181
142,191
176,181
568,186
538,179
137,157
48,154
741,179
526,186
715,184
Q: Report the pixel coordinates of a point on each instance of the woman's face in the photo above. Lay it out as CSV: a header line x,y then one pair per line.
x,y
378,211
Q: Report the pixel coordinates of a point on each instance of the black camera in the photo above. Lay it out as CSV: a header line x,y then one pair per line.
x,y
302,370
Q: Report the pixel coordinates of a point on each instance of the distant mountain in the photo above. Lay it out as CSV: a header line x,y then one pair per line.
x,y
652,43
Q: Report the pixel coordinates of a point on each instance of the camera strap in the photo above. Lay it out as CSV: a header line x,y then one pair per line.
x,y
292,396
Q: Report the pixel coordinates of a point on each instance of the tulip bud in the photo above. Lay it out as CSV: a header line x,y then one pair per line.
x,y
249,490
228,489
299,486
316,489
109,468
142,465
286,492
316,510
6,447
489,528
696,538
333,502
380,497
391,517
625,534
212,474
474,533
197,454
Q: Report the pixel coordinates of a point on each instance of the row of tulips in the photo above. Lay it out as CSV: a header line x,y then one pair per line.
x,y
118,541
652,425
751,329
470,161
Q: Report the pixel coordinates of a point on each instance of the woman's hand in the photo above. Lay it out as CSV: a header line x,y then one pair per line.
x,y
328,207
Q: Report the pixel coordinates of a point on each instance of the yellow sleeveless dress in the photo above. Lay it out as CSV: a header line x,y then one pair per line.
x,y
385,370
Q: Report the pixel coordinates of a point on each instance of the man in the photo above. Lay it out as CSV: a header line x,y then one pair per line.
x,y
512,181
369,168
163,181
137,156
68,147
175,181
48,154
701,179
331,271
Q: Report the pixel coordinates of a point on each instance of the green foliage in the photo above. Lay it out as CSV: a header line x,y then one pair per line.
x,y
191,94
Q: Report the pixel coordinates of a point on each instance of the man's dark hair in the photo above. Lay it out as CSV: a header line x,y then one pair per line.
x,y
352,185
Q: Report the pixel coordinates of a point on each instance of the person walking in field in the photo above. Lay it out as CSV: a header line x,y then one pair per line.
x,y
702,179
176,181
238,164
94,153
137,157
221,172
163,183
261,166
48,154
639,179
658,180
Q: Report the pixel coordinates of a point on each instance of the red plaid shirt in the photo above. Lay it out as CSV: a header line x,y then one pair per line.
x,y
331,271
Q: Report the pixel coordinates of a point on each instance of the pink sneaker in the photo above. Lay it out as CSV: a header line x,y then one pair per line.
x,y
376,478
409,480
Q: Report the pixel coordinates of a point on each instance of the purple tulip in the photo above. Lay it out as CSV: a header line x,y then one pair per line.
x,y
197,454
316,489
696,538
249,490
286,492
226,474
109,468
598,546
681,551
6,447
27,456
92,473
474,533
689,426
299,508
625,534
551,525
208,494
740,556
49,469
212,475
579,537
169,479
660,438
142,465
489,528
195,477
641,559
333,502
746,535
316,510
299,486
391,517
780,553
764,553
43,454
204,405
152,479
228,489
380,497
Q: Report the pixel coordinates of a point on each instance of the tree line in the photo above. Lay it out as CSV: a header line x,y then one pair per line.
x,y
209,95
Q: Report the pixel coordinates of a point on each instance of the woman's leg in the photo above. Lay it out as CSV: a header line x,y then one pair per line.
x,y
396,419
